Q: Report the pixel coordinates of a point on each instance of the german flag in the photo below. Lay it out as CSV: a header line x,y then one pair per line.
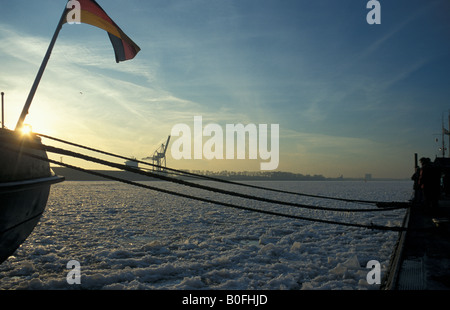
x,y
91,13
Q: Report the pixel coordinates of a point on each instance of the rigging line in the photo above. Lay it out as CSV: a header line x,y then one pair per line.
x,y
203,187
372,226
209,177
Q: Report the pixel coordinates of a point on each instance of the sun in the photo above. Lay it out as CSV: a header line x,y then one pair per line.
x,y
26,130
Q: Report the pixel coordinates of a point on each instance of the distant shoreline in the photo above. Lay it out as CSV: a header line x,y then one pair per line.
x,y
75,175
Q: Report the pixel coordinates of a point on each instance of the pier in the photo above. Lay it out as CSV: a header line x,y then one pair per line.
x,y
421,260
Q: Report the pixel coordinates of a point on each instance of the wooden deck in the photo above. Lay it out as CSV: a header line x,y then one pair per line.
x,y
421,260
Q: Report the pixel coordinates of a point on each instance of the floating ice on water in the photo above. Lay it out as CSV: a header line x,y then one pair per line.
x,y
131,238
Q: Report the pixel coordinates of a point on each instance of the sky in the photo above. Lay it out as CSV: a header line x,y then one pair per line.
x,y
350,98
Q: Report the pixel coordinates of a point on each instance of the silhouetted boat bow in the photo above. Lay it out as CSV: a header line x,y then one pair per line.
x,y
24,188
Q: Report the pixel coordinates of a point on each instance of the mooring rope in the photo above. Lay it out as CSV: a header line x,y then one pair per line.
x,y
371,226
180,172
60,151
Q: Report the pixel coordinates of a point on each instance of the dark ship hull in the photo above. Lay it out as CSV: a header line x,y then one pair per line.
x,y
24,188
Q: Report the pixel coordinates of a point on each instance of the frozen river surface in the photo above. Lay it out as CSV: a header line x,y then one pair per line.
x,y
126,237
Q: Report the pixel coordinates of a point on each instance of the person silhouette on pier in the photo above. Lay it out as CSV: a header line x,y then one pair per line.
x,y
430,183
417,199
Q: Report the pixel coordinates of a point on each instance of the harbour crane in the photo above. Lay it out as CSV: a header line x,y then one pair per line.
x,y
159,156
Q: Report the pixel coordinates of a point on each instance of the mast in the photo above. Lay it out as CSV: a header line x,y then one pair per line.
x,y
3,112
26,107
445,132
443,137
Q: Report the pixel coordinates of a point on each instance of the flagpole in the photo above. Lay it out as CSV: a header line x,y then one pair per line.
x,y
40,73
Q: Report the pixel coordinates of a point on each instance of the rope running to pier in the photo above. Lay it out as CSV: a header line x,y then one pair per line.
x,y
371,226
185,173
60,151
